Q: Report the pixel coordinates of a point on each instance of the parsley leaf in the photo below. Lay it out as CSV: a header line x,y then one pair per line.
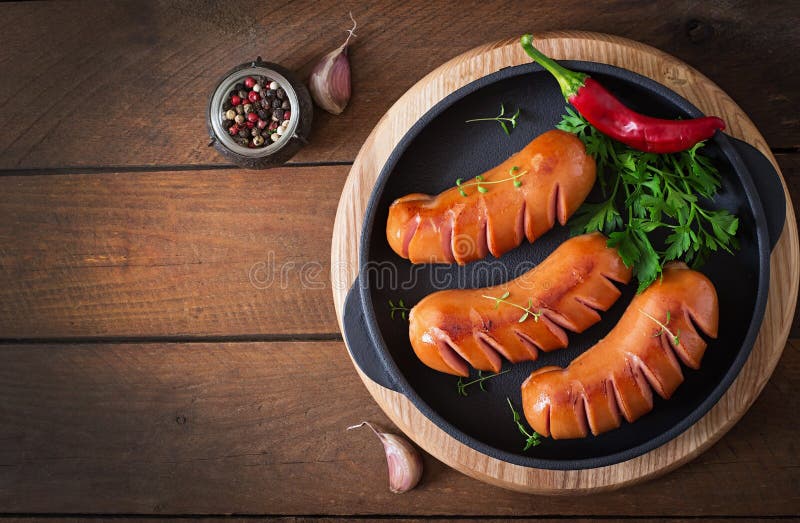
x,y
650,198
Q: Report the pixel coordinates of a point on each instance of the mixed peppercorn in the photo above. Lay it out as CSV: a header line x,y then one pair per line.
x,y
256,112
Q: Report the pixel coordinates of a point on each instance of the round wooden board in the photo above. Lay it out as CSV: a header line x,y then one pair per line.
x,y
647,61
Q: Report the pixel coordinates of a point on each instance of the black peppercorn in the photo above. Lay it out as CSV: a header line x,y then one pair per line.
x,y
271,93
235,92
228,123
278,113
276,103
243,94
263,114
226,105
239,86
286,105
280,93
239,109
244,133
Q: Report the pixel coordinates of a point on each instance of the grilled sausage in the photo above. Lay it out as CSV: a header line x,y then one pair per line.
x,y
614,378
452,329
555,175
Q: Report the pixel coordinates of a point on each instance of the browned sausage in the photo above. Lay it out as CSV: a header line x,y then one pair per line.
x,y
452,329
556,175
614,378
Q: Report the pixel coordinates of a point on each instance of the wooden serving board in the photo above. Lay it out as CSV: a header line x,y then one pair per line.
x,y
647,61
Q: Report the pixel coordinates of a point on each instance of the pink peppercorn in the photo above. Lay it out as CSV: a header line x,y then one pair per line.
x,y
249,82
252,117
250,125
261,124
287,115
253,96
235,100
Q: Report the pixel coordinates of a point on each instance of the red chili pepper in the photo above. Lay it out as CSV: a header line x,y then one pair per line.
x,y
613,118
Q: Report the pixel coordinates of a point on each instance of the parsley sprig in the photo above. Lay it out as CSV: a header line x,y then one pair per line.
x,y
647,196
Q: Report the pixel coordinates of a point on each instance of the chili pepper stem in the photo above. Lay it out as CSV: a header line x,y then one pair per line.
x,y
570,81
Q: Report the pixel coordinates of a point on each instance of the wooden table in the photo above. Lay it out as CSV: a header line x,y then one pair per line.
x,y
168,344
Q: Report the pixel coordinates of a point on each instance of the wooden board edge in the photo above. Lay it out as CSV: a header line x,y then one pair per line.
x,y
739,397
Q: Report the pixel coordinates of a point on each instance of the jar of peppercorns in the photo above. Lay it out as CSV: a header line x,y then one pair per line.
x,y
259,115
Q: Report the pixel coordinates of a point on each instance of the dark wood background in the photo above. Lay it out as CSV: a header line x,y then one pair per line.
x,y
142,372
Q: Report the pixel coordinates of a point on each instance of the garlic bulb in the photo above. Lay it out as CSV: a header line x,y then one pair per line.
x,y
405,463
329,82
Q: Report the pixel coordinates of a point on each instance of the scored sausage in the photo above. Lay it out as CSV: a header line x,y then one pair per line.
x,y
451,330
615,378
520,198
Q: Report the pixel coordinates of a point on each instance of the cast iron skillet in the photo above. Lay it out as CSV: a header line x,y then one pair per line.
x,y
440,148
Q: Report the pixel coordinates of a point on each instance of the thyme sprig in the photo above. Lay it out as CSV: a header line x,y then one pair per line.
x,y
528,311
501,119
514,175
531,440
462,385
676,338
400,308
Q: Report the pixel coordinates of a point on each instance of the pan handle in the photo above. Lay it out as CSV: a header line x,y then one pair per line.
x,y
769,187
360,344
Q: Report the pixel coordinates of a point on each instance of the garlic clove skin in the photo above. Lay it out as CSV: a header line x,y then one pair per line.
x,y
329,82
405,463
403,460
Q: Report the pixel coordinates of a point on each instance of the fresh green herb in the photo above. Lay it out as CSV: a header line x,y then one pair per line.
x,y
400,308
528,311
646,193
514,175
676,337
501,119
514,172
531,440
462,385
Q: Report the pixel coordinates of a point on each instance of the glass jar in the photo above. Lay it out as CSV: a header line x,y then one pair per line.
x,y
294,135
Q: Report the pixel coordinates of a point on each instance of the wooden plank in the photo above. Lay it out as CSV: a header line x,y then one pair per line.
x,y
217,252
790,165
258,428
126,83
171,253
393,518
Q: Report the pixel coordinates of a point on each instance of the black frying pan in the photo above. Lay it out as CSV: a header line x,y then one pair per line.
x,y
441,147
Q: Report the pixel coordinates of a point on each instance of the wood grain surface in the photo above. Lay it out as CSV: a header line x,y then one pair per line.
x,y
784,265
141,371
326,519
260,428
187,253
177,253
126,83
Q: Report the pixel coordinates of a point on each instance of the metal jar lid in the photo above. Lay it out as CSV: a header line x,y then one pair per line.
x,y
296,133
